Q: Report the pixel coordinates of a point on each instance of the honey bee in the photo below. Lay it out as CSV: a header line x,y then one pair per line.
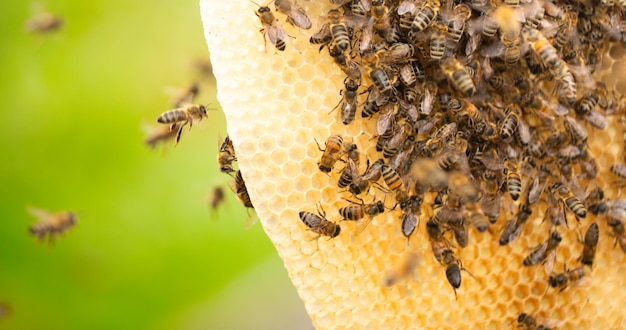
x,y
402,270
438,40
242,191
514,227
576,276
595,202
619,171
453,269
545,252
542,47
410,215
186,115
43,22
513,178
475,215
358,212
567,197
438,242
490,202
381,18
379,77
586,104
457,75
271,28
51,224
591,242
506,18
617,226
425,15
456,24
295,15
391,178
216,197
319,224
399,138
566,30
442,137
347,65
226,156
340,37
510,122
349,102
577,132
528,322
161,134
332,153
322,37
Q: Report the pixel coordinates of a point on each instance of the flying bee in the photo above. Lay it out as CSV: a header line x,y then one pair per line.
x,y
242,191
332,153
545,252
226,156
43,22
51,224
567,197
186,115
510,122
438,40
271,30
295,15
402,270
515,226
216,197
591,242
160,134
425,15
319,224
513,178
457,75
349,102
574,276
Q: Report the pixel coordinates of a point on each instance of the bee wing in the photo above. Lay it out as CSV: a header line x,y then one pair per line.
x,y
355,22
539,250
596,119
535,191
407,6
322,34
410,109
367,35
384,120
550,323
362,224
494,50
298,17
426,102
548,265
38,213
275,33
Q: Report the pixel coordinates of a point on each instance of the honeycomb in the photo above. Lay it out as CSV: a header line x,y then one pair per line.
x,y
277,105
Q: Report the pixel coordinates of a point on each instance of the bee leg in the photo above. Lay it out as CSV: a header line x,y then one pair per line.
x,y
180,131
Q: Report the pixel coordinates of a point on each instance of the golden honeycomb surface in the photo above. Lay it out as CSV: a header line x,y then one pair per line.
x,y
277,105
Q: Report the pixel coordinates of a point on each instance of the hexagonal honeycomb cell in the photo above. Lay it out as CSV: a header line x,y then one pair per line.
x,y
277,106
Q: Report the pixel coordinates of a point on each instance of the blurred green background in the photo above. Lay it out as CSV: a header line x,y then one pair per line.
x,y
147,252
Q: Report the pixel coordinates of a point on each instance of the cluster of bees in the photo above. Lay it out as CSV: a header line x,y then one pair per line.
x,y
483,106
